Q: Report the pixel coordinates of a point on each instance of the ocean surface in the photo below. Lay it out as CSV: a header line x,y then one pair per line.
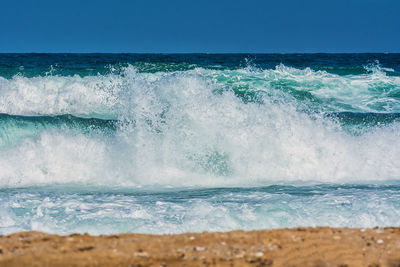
x,y
172,143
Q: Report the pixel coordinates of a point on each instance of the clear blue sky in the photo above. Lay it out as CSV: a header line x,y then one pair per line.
x,y
210,26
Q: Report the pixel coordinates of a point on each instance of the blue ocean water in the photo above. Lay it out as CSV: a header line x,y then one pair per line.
x,y
171,143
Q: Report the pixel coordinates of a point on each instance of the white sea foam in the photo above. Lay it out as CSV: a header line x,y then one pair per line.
x,y
109,95
190,129
56,95
98,213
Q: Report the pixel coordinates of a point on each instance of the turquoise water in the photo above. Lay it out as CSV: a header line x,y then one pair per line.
x,y
174,143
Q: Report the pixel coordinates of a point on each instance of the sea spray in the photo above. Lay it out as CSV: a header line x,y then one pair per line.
x,y
192,128
189,147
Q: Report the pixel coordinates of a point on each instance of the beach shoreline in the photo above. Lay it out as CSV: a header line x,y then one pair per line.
x,y
319,246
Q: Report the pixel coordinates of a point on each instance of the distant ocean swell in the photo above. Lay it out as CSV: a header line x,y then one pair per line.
x,y
207,127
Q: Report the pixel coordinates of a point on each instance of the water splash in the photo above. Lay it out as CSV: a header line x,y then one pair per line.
x,y
197,128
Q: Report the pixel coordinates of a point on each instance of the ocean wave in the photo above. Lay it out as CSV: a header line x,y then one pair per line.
x,y
112,96
102,211
14,129
202,127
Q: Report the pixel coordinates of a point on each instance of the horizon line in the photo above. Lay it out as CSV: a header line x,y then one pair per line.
x,y
200,53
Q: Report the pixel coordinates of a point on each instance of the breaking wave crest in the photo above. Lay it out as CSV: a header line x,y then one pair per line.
x,y
199,127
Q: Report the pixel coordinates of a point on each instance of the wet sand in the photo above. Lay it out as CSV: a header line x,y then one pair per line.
x,y
284,247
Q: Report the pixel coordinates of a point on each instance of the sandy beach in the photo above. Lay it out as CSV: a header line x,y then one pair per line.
x,y
321,246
